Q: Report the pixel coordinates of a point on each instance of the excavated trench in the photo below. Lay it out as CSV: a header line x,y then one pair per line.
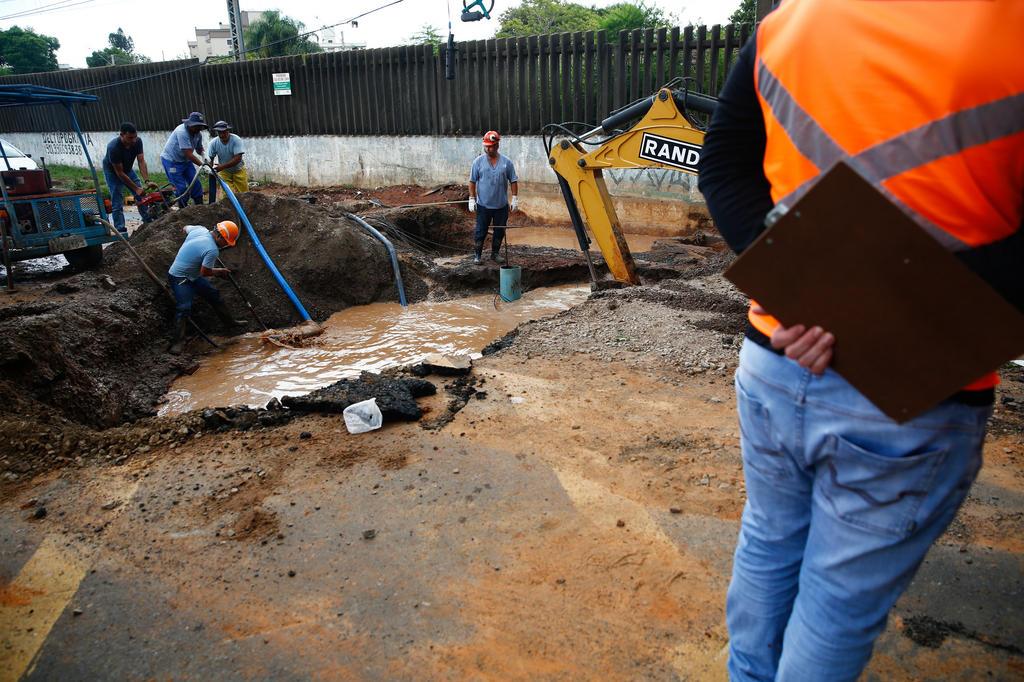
x,y
84,367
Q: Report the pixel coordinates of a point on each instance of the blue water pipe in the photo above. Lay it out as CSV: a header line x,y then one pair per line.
x,y
263,252
391,251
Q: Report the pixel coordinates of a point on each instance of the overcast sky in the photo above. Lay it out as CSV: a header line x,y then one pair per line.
x,y
162,30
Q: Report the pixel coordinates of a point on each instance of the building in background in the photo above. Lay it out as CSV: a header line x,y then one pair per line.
x,y
216,42
333,40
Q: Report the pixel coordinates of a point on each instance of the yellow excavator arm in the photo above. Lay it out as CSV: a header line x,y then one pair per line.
x,y
663,137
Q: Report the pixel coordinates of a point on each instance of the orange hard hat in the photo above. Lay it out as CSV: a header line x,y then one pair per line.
x,y
228,231
492,137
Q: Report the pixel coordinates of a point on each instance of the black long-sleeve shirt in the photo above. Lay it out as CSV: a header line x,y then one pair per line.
x,y
731,169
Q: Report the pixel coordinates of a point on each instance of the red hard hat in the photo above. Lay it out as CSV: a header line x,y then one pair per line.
x,y
492,137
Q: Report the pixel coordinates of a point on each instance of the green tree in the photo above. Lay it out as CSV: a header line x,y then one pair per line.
x,y
121,41
25,51
627,16
273,35
120,50
427,35
535,17
746,13
109,56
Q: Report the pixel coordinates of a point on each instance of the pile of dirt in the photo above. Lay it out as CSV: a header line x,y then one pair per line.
x,y
676,328
92,350
542,266
42,441
391,196
329,261
438,230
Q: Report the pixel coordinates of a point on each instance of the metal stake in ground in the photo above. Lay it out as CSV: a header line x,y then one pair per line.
x,y
156,280
244,299
7,259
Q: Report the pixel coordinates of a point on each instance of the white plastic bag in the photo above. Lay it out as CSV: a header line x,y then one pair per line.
x,y
363,417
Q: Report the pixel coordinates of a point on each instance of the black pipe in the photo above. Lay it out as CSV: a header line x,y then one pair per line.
x,y
627,114
688,99
449,58
574,214
685,100
577,226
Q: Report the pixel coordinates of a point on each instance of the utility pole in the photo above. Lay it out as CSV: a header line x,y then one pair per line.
x,y
235,21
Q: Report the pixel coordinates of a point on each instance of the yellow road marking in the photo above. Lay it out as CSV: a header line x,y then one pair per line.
x,y
45,584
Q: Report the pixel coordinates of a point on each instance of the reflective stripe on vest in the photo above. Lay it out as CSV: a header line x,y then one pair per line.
x,y
924,100
888,158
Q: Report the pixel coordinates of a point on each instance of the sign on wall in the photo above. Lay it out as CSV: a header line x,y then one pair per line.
x,y
282,84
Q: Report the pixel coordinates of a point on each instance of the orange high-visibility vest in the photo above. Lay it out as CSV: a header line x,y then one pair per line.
x,y
924,99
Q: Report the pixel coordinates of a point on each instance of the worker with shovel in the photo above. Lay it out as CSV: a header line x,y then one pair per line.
x,y
197,260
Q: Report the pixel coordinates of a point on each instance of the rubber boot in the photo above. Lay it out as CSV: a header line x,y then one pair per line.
x,y
479,253
225,316
178,341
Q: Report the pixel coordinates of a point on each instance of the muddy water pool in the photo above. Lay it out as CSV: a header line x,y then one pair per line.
x,y
364,338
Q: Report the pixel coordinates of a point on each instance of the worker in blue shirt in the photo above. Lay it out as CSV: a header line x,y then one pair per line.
x,y
118,163
197,260
182,153
489,180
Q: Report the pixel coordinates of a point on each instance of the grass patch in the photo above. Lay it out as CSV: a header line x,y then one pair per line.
x,y
72,178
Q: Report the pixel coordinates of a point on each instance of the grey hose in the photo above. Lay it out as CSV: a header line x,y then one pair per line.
x,y
187,189
391,251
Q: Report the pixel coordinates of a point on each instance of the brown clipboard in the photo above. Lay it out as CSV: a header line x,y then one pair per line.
x,y
913,325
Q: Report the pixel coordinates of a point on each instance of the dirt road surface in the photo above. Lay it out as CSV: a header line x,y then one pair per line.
x,y
568,511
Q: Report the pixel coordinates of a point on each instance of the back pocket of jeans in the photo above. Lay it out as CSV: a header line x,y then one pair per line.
x,y
878,493
760,448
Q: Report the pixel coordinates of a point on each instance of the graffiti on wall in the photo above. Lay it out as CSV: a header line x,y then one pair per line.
x,y
64,144
655,182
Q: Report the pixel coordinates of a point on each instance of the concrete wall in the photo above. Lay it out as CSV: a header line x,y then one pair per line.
x,y
652,201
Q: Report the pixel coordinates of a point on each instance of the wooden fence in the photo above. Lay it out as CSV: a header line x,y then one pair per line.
x,y
515,85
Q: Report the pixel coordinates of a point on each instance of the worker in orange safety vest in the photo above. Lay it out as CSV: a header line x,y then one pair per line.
x,y
925,100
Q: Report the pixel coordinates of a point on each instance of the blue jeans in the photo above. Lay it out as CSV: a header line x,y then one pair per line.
x,y
180,174
484,218
842,506
116,188
185,291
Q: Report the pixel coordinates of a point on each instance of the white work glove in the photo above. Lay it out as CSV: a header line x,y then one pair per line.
x,y
472,204
204,170
515,203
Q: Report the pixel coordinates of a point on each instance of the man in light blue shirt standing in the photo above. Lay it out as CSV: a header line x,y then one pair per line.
x,y
182,153
489,180
228,149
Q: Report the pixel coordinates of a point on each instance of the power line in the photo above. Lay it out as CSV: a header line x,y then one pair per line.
x,y
52,7
248,50
317,30
19,12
